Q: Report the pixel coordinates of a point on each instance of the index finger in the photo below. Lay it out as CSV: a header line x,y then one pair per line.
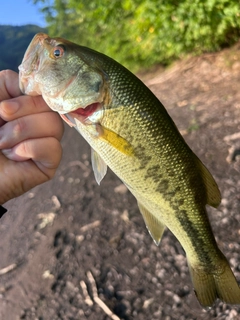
x,y
9,87
22,106
13,104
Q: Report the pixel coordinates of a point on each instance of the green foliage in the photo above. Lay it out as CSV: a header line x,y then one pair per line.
x,y
140,33
13,43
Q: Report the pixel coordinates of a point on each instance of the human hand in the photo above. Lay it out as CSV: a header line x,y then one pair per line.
x,y
30,134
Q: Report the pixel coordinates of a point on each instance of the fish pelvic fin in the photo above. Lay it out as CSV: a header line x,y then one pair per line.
x,y
99,166
154,225
220,284
213,193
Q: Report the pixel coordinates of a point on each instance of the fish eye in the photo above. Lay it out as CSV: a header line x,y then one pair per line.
x,y
58,51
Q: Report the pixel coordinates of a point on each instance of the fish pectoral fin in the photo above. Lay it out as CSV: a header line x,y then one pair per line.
x,y
213,193
154,226
98,165
115,140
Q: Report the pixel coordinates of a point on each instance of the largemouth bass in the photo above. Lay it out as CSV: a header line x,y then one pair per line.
x,y
130,131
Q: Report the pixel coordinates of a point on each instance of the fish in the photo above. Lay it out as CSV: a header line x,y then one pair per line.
x,y
130,131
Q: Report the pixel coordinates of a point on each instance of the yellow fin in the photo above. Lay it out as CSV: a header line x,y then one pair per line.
x,y
154,226
115,140
210,286
213,193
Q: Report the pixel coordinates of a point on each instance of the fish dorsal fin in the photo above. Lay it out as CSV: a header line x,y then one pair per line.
x,y
213,193
154,226
99,166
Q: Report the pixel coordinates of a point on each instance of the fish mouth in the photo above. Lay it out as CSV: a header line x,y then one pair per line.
x,y
87,111
87,115
26,77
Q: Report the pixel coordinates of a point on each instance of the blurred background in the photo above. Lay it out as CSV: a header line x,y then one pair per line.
x,y
69,241
137,33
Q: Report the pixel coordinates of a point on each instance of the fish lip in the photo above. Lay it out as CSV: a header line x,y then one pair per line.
x,y
34,67
30,53
89,114
31,62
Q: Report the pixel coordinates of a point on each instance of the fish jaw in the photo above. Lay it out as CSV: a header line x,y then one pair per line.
x,y
89,115
30,65
78,87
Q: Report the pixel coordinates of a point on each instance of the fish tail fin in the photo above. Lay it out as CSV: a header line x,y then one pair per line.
x,y
219,283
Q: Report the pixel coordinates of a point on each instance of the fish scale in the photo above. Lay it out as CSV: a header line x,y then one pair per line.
x,y
130,131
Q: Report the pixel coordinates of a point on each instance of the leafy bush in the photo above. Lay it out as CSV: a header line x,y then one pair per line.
x,y
140,33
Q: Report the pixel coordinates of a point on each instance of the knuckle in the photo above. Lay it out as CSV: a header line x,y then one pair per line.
x,y
8,84
19,127
23,149
56,125
6,74
2,138
49,161
56,154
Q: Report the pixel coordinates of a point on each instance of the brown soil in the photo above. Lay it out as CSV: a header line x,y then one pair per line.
x,y
71,233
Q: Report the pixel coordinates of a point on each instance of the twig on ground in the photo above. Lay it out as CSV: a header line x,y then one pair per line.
x,y
8,269
96,298
87,298
147,303
47,218
234,136
78,163
56,202
91,225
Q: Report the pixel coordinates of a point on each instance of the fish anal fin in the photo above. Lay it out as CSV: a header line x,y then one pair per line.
x,y
154,226
212,285
213,193
99,166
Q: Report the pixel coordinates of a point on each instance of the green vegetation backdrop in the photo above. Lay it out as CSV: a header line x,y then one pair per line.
x,y
140,33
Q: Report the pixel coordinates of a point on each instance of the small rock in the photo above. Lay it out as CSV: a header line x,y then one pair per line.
x,y
122,189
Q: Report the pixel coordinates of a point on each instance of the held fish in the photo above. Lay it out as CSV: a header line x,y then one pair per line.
x,y
130,131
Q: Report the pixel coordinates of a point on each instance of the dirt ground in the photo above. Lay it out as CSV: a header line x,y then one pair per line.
x,y
73,250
